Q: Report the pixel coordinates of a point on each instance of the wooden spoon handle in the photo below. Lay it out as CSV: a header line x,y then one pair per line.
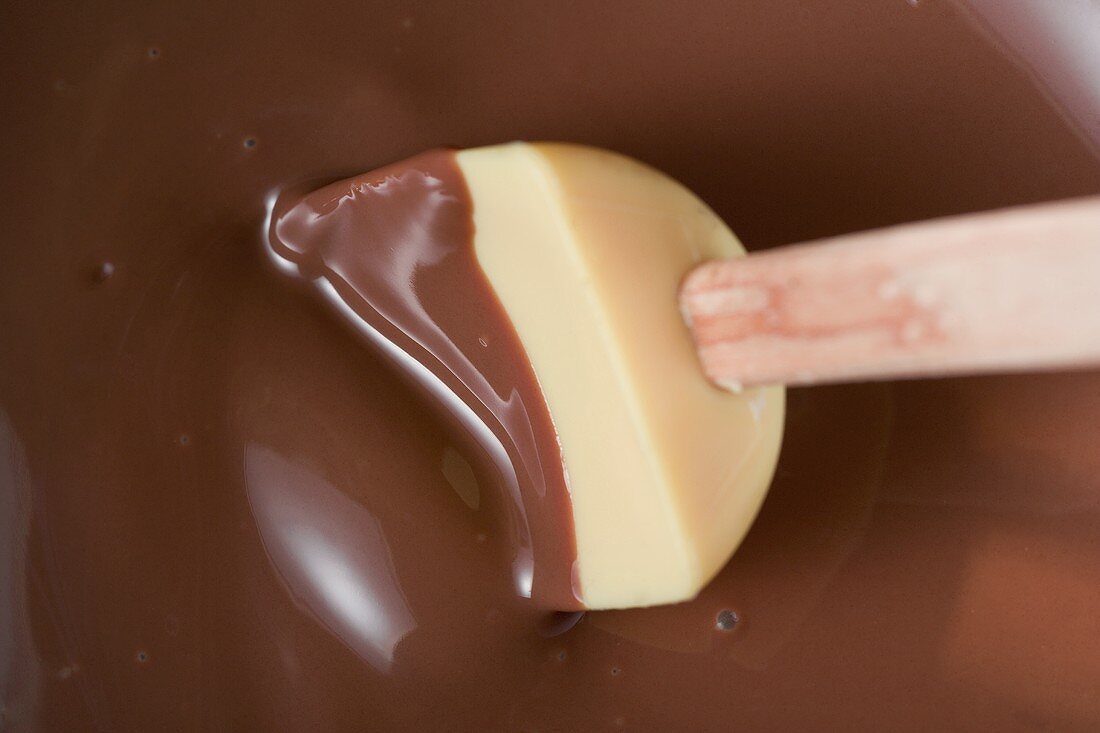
x,y
1012,290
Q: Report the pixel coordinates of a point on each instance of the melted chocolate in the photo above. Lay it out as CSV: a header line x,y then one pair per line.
x,y
219,511
393,252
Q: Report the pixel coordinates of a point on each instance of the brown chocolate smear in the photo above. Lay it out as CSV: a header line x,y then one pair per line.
x,y
199,464
392,251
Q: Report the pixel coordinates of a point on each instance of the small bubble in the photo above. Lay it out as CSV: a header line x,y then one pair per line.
x,y
59,85
726,620
615,671
407,22
142,656
103,271
562,655
153,52
67,671
480,537
184,439
250,143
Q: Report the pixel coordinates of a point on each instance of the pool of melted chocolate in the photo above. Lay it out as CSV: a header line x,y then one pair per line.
x,y
218,510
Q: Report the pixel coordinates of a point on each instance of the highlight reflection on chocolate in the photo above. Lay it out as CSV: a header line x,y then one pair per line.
x,y
393,253
928,555
331,554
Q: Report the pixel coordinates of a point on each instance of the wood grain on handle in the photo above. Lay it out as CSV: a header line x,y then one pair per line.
x,y
1011,290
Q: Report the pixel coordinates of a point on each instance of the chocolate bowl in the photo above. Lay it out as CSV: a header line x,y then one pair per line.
x,y
218,511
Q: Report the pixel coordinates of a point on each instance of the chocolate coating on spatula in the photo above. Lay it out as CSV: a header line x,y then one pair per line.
x,y
392,252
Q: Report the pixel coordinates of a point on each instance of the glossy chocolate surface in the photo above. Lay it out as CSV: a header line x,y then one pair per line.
x,y
220,511
392,251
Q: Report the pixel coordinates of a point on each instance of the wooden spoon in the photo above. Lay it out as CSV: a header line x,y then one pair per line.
x,y
1012,290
